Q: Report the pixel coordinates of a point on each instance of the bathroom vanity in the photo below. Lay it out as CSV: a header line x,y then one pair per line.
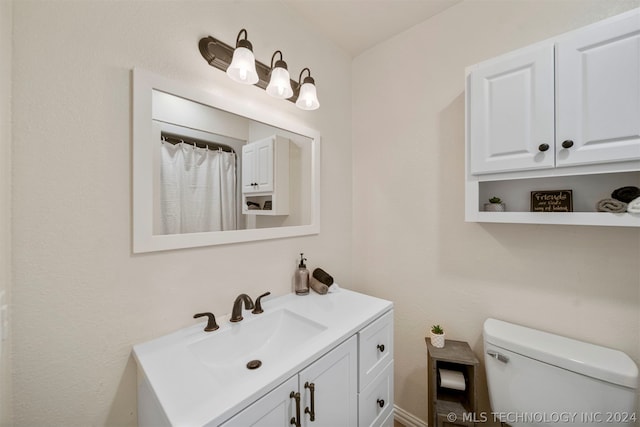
x,y
315,360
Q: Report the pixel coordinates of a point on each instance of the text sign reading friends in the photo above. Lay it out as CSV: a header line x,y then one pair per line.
x,y
552,201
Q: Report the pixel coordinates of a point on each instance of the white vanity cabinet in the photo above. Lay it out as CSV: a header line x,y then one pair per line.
x,y
333,351
544,116
265,175
334,380
353,386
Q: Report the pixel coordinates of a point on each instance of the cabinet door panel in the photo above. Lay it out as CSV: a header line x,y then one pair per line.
x,y
248,168
275,409
598,98
511,112
335,380
264,165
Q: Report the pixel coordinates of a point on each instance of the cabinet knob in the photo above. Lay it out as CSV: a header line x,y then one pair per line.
x,y
381,347
543,147
380,403
567,144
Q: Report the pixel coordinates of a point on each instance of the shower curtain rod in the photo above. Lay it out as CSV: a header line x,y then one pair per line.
x,y
176,139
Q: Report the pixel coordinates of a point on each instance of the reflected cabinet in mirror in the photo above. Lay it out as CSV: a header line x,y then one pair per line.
x,y
209,170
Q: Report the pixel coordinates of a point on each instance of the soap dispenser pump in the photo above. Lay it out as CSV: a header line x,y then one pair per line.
x,y
301,278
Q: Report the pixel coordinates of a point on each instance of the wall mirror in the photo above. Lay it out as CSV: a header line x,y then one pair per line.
x,y
210,170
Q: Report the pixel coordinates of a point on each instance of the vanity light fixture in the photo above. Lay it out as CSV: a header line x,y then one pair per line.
x,y
240,65
308,98
280,82
243,64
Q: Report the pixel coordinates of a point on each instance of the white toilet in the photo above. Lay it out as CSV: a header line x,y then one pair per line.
x,y
537,379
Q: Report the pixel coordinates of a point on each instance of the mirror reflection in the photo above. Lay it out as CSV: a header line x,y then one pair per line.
x,y
211,169
218,171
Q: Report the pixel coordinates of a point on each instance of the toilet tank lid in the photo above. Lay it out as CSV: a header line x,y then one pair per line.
x,y
587,359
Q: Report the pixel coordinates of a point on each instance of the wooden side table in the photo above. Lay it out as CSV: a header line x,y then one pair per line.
x,y
449,407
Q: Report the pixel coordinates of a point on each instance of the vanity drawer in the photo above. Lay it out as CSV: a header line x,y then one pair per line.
x,y
375,403
375,347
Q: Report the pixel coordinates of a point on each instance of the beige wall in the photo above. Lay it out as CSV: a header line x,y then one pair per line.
x,y
81,299
411,244
5,199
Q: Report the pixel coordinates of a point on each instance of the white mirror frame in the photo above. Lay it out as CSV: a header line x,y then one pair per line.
x,y
143,151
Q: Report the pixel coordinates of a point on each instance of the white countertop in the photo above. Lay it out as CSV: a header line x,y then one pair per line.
x,y
190,395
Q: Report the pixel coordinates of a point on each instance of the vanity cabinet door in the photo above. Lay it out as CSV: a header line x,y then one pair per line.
x,y
598,99
511,114
335,395
335,381
275,409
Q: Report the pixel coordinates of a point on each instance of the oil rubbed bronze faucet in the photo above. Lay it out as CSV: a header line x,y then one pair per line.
x,y
236,313
211,323
258,306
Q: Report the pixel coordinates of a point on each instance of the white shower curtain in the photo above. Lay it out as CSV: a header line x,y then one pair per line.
x,y
198,189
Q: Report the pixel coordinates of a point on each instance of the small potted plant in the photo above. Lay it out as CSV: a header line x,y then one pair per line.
x,y
437,336
495,205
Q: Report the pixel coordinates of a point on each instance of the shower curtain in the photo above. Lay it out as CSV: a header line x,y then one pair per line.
x,y
198,189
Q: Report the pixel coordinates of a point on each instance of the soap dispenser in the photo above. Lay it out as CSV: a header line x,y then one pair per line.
x,y
301,278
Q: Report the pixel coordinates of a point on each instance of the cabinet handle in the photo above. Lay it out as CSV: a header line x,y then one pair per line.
x,y
543,147
567,144
296,420
381,403
312,411
381,347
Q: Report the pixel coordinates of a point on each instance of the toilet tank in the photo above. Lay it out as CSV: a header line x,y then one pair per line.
x,y
537,379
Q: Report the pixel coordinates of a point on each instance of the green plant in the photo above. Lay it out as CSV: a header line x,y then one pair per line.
x,y
437,329
495,199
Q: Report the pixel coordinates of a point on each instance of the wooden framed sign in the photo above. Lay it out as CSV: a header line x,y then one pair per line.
x,y
552,201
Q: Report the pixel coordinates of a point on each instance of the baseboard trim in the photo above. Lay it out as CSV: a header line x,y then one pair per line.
x,y
407,419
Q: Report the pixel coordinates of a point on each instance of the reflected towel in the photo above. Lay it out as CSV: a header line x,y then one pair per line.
x,y
626,194
634,206
611,205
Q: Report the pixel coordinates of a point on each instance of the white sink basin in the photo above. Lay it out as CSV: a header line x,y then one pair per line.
x,y
267,338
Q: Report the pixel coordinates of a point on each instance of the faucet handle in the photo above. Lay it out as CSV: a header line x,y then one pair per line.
x,y
258,305
211,323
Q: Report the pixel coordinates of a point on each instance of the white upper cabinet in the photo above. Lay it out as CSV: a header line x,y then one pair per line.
x,y
265,176
592,91
598,93
561,114
511,117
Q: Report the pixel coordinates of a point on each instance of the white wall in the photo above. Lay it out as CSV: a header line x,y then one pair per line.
x,y
5,199
410,241
81,299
